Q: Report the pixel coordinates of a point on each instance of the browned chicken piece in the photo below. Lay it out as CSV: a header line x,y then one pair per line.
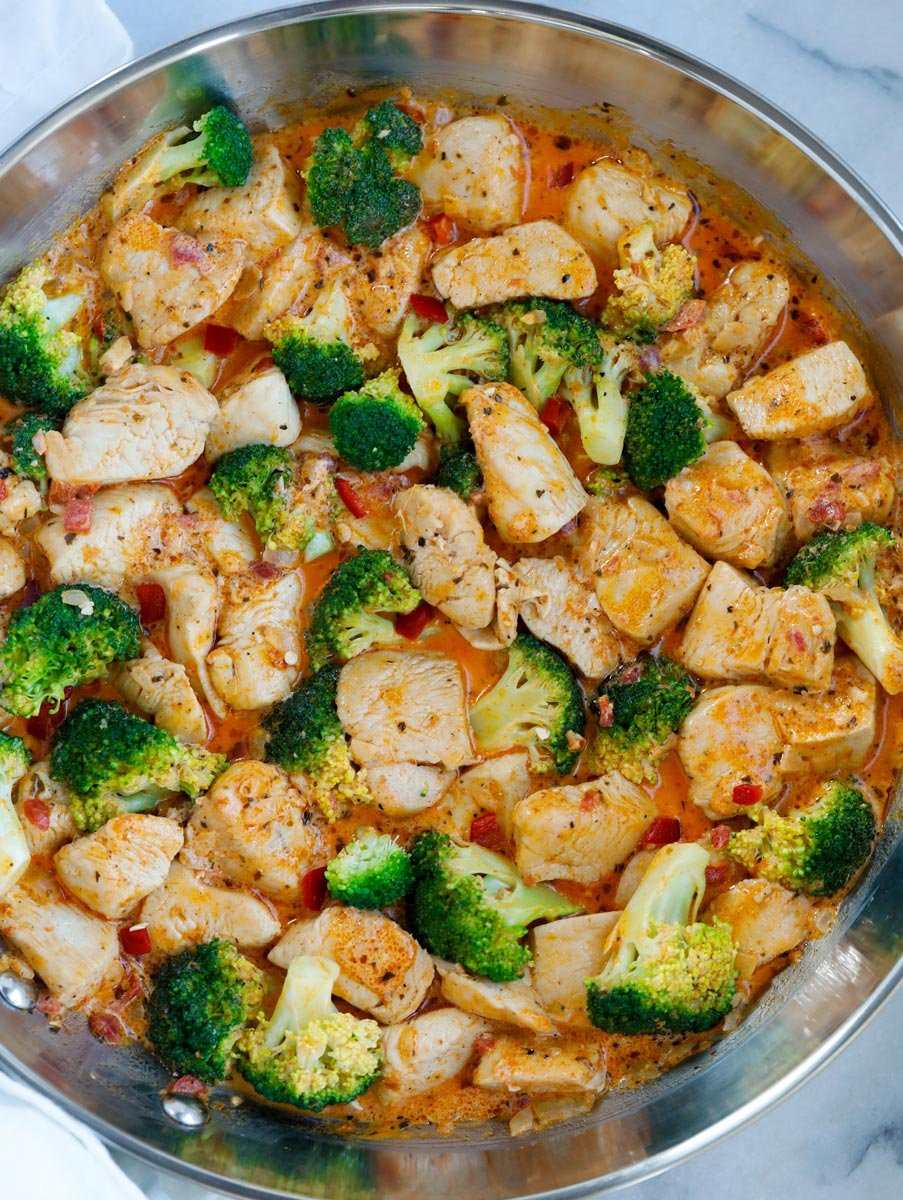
x,y
21,499
162,689
186,911
255,407
447,556
812,393
607,200
645,576
580,831
536,259
166,280
531,488
129,857
510,1003
565,954
74,952
192,605
739,318
502,629
382,968
473,169
405,706
427,1051
227,545
495,785
830,731
729,507
382,285
766,920
264,213
538,1064
38,784
12,568
828,487
402,789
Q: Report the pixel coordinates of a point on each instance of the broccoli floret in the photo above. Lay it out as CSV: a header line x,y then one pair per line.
x,y
67,637
26,460
842,566
664,972
377,426
308,1053
651,284
314,352
545,338
14,852
815,849
399,135
200,1002
304,734
666,430
469,905
112,762
537,704
371,872
220,156
41,360
595,394
442,361
459,471
639,709
346,618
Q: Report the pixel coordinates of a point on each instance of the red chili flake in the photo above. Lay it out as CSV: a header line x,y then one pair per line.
x,y
78,515
188,1085
555,415
716,874
313,888
662,832
484,1043
350,498
37,812
219,340
746,793
589,801
720,836
411,625
689,314
797,640
484,828
442,229
135,940
811,328
151,601
606,712
184,249
106,1027
47,719
559,176
266,570
428,307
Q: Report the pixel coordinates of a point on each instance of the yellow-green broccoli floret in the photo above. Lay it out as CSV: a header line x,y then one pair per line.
x,y
652,285
815,849
545,338
15,854
459,471
308,1053
371,872
68,637
595,392
26,460
377,426
200,1002
666,430
665,972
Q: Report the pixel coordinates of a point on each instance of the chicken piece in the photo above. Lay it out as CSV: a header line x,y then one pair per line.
x,y
402,789
766,921
427,1051
495,785
607,200
146,423
255,661
565,954
536,1064
739,318
192,604
127,533
645,577
20,499
474,170
12,569
729,507
117,356
446,554
531,488
536,259
166,280
502,629
405,706
227,544
385,280
162,689
129,857
579,831
186,911
256,407
511,1003
831,731
560,609
803,636
256,828
75,953
264,213
382,968
828,487
812,393
732,736
52,811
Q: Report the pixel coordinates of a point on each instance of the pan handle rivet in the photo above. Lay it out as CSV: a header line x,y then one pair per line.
x,y
18,993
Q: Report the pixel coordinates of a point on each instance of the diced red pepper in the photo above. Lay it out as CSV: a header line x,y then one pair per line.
x,y
265,569
442,229
746,793
720,836
555,415
662,832
46,720
716,875
412,624
559,176
429,307
313,888
78,514
188,1085
107,1027
135,940
350,498
151,602
37,813
484,829
219,340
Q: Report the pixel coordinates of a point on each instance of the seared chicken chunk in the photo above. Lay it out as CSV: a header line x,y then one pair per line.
x,y
828,487
186,911
427,1051
473,169
382,968
192,604
38,784
401,789
166,280
817,391
511,1003
536,1064
256,407
12,569
20,499
829,731
227,544
531,488
565,954
536,259
162,689
607,200
765,919
129,857
383,284
579,831
495,785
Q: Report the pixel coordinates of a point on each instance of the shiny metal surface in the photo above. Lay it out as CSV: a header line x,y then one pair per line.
x,y
821,214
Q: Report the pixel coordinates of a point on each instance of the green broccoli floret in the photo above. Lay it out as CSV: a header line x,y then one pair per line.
x,y
113,762
26,460
595,394
200,1003
67,637
664,972
41,360
346,618
639,709
314,352
842,567
442,361
815,849
459,471
469,905
376,427
666,430
651,284
14,852
371,872
536,704
545,338
399,135
304,734
308,1053
220,156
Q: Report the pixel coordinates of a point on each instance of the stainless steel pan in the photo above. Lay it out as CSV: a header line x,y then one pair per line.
x,y
821,211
